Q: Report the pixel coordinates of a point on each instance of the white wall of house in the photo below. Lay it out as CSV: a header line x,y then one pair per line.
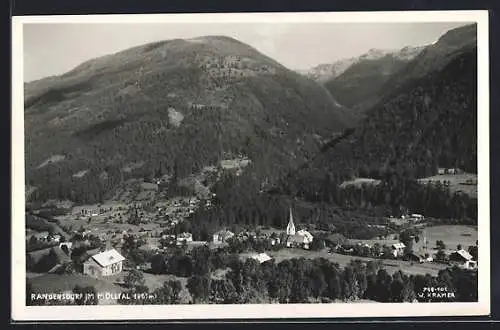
x,y
92,268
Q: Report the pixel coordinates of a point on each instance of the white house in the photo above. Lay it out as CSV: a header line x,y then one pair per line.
x,y
463,259
261,257
398,249
222,236
184,237
416,217
104,264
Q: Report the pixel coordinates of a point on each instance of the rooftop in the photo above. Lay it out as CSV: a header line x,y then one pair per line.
x,y
108,257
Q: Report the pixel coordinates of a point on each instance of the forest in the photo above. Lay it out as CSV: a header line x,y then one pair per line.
x,y
300,281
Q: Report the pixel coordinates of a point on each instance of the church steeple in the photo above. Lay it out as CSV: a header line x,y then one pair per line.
x,y
290,229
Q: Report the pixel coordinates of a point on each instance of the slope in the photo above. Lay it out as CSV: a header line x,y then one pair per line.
x,y
171,107
426,123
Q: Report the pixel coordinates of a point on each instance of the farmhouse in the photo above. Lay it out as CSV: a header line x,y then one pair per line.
x,y
275,241
463,259
104,264
42,236
398,249
222,236
416,217
184,237
261,257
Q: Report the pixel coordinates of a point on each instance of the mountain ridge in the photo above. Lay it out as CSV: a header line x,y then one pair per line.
x,y
140,105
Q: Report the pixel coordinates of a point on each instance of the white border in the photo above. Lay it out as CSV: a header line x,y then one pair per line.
x,y
20,312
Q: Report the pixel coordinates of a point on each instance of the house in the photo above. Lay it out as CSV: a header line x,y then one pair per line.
x,y
104,264
296,241
89,212
416,217
42,236
222,236
306,234
261,257
441,171
454,171
184,237
68,245
54,238
462,259
398,249
275,241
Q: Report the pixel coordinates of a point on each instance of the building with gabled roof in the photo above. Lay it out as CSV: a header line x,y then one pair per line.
x,y
106,263
261,257
398,249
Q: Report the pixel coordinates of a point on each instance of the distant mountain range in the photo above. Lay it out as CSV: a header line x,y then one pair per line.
x,y
424,117
359,83
325,72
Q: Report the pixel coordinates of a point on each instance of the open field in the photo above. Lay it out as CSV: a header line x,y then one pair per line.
x,y
451,235
458,182
359,182
343,260
371,242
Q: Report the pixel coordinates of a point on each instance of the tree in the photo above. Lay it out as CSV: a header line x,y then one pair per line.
x,y
222,292
169,293
459,247
441,256
158,265
440,245
134,278
86,295
199,287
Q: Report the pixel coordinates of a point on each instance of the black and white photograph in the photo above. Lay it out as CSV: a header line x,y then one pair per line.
x,y
279,165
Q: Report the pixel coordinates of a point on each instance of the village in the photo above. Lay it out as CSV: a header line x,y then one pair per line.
x,y
106,242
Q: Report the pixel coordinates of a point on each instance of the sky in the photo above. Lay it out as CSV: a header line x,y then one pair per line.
x,y
55,48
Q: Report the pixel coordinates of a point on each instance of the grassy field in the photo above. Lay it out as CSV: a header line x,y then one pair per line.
x,y
451,235
343,260
371,242
458,182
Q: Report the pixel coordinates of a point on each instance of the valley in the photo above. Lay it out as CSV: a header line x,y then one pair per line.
x,y
208,172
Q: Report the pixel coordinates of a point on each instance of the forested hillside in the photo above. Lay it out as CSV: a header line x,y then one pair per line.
x,y
171,107
427,123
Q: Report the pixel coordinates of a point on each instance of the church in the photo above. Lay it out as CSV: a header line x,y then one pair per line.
x,y
301,238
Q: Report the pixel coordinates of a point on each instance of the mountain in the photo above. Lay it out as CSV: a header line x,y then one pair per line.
x,y
435,56
359,83
428,122
370,171
170,108
324,72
